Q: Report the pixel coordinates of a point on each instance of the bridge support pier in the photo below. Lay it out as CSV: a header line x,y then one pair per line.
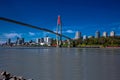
x,y
59,30
68,41
59,43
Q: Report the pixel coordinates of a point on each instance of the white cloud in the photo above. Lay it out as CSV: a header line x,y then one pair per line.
x,y
70,31
12,35
31,33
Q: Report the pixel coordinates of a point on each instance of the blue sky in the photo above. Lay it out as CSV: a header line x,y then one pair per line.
x,y
86,16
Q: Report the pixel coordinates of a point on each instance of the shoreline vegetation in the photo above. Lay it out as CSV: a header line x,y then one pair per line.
x,y
102,42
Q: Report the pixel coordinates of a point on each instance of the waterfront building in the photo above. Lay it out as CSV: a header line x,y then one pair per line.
x,y
105,34
42,40
84,37
20,41
23,40
8,41
45,39
77,35
112,34
17,41
97,34
37,40
48,41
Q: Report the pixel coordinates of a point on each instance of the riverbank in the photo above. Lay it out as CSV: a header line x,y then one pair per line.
x,y
80,46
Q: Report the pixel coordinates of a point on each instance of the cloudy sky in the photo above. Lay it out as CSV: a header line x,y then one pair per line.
x,y
86,16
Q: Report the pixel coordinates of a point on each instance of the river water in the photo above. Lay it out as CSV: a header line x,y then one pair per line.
x,y
62,63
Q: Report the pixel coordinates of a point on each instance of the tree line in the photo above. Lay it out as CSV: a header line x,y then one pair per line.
x,y
102,41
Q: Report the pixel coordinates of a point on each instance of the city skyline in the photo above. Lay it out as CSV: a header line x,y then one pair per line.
x,y
77,35
78,15
48,41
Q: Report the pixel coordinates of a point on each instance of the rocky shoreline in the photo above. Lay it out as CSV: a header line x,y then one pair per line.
x,y
7,76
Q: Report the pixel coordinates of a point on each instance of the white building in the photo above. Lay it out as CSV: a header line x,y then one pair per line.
x,y
78,35
84,37
48,41
37,40
97,34
105,34
112,34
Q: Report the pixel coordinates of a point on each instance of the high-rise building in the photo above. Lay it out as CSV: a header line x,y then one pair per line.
x,y
112,34
42,40
84,37
78,35
23,40
48,40
8,41
20,41
45,39
105,34
37,40
17,41
97,34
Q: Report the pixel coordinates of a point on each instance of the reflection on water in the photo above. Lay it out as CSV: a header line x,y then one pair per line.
x,y
62,63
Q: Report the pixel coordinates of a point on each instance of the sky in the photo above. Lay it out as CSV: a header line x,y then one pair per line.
x,y
86,16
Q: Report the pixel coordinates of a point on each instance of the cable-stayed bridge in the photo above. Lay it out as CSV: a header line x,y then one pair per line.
x,y
34,27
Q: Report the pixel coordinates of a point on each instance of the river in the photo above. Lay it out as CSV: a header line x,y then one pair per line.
x,y
62,63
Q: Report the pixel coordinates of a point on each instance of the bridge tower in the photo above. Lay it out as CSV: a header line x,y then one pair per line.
x,y
59,30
